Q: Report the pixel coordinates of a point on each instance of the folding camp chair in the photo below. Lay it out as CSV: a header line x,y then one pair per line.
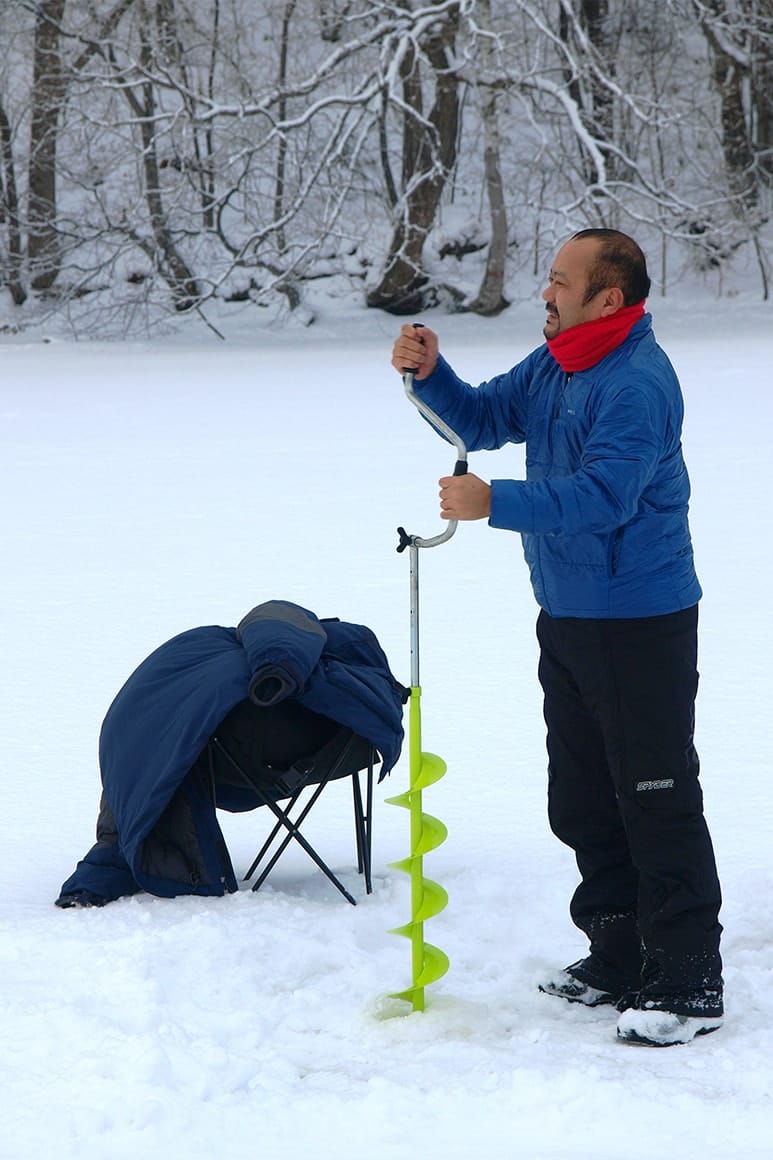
x,y
273,755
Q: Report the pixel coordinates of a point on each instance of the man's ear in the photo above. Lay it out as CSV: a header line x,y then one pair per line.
x,y
611,301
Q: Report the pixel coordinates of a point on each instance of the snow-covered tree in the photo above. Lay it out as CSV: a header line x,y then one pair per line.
x,y
158,154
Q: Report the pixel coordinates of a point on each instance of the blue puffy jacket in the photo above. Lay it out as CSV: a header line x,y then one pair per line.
x,y
603,509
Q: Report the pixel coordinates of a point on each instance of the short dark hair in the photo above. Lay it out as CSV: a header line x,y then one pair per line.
x,y
618,262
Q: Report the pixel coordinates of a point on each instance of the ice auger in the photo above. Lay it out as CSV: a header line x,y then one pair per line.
x,y
428,962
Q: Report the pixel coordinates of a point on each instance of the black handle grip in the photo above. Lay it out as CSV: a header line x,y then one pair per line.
x,y
460,467
413,370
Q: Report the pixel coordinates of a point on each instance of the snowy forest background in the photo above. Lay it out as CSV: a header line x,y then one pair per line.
x,y
159,158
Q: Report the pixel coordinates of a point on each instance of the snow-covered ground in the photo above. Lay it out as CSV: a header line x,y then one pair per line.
x,y
152,487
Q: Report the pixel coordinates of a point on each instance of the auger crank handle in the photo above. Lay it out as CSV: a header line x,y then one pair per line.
x,y
460,467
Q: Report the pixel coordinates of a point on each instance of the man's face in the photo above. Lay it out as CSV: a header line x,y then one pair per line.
x,y
565,291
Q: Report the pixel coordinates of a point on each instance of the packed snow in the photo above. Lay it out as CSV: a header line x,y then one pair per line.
x,y
154,486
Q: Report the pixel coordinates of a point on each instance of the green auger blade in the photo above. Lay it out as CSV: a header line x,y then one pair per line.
x,y
436,963
433,834
432,768
402,799
435,899
428,963
412,995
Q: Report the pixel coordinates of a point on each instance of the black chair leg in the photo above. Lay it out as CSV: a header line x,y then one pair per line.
x,y
293,832
269,842
362,827
369,824
362,818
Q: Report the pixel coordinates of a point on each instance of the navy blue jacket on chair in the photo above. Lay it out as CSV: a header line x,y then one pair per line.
x,y
170,706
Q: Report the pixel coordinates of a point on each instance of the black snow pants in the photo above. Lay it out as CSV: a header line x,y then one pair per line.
x,y
623,793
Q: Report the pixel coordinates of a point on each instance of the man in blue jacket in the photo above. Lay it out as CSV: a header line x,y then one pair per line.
x,y
603,518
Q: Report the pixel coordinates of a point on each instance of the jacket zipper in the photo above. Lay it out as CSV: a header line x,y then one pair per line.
x,y
560,399
614,555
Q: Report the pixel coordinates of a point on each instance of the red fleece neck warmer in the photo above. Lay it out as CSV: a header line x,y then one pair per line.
x,y
586,344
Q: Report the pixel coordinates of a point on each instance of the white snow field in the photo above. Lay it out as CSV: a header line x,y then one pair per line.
x,y
152,487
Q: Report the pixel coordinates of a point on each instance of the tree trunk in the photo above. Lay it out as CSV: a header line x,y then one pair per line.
x,y
172,265
762,103
595,15
48,89
429,154
208,182
9,211
739,158
730,76
589,25
490,299
281,158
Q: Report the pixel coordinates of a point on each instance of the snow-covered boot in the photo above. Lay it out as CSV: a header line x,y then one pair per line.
x,y
582,983
663,1028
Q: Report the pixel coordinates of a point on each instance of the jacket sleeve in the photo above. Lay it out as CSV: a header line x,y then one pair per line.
x,y
620,457
283,643
484,417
